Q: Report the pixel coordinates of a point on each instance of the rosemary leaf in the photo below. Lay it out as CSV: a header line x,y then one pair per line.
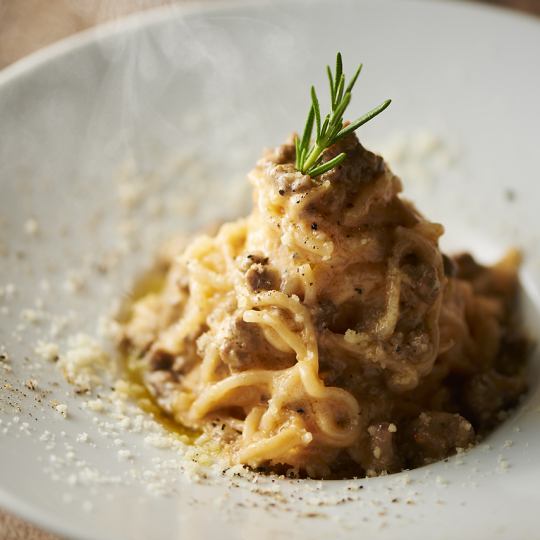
x,y
328,165
317,110
309,154
331,82
307,130
353,80
363,119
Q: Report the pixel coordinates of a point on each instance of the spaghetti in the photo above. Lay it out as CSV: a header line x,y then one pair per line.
x,y
326,334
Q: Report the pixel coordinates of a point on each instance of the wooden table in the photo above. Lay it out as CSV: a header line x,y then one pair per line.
x,y
27,25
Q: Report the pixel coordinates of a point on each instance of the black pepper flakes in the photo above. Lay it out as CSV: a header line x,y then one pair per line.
x,y
314,226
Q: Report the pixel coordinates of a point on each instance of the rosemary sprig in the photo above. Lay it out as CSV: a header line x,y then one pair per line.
x,y
309,155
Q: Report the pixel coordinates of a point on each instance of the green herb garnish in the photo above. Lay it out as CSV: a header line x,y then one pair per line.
x,y
308,154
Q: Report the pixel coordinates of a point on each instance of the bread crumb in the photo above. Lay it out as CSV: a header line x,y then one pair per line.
x,y
83,437
83,362
62,409
47,351
31,315
31,227
74,283
158,441
95,405
125,455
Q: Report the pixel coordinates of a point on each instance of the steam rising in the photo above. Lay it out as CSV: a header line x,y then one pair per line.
x,y
191,106
172,108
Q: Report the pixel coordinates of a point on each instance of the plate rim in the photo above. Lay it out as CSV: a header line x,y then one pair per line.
x,y
151,16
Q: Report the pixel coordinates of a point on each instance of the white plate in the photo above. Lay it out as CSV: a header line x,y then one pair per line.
x,y
190,96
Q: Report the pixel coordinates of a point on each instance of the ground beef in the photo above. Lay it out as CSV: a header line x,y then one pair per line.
x,y
245,347
486,394
385,457
360,163
450,267
435,435
514,350
262,278
161,361
284,153
422,278
324,314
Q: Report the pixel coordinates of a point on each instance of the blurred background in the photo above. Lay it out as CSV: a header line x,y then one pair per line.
x,y
27,25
